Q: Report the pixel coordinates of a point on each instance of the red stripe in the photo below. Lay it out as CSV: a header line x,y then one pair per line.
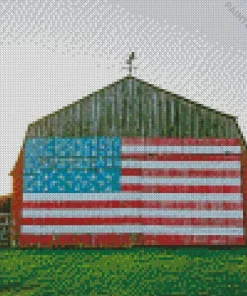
x,y
181,173
96,240
132,141
180,189
49,240
181,157
180,142
95,204
190,240
233,222
115,240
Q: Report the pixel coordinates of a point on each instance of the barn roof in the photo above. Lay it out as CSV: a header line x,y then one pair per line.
x,y
129,100
133,107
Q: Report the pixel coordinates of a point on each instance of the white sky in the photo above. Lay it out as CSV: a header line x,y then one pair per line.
x,y
54,52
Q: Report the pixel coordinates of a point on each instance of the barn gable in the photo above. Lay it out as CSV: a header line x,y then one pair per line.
x,y
132,107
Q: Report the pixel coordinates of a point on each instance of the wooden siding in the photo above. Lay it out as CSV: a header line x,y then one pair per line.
x,y
133,108
16,205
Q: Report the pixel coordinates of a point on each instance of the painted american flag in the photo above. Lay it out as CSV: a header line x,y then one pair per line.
x,y
105,191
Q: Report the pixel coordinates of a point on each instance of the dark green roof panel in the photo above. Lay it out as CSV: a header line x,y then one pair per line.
x,y
131,107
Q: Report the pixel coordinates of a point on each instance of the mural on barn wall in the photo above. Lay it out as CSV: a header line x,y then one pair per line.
x,y
119,184
132,164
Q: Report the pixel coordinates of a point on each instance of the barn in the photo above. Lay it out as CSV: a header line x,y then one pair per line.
x,y
130,164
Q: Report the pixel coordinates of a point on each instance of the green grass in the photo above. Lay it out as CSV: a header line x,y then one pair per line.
x,y
136,271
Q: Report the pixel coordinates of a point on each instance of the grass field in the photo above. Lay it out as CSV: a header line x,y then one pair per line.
x,y
136,271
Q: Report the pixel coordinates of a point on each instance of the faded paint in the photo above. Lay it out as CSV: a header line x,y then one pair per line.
x,y
133,108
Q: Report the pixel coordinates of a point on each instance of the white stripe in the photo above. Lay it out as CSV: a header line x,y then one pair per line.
x,y
146,229
226,165
181,149
180,181
235,197
129,212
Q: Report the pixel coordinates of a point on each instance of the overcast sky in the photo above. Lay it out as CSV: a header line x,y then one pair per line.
x,y
54,52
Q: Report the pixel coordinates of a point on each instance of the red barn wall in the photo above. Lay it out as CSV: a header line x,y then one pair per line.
x,y
16,206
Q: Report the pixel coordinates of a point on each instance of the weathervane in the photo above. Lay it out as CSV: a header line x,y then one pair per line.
x,y
130,66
